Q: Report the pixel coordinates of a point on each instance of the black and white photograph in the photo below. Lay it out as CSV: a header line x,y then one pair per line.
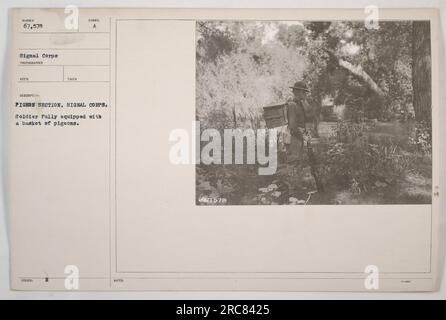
x,y
249,152
339,112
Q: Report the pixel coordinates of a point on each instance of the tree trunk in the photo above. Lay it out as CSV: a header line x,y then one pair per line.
x,y
234,116
421,70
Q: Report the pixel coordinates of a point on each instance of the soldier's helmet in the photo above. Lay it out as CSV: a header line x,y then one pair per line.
x,y
300,85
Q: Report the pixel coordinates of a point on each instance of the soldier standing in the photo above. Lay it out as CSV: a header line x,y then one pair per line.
x,y
297,118
299,112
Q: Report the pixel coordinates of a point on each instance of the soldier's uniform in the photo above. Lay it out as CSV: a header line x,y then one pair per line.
x,y
299,112
296,114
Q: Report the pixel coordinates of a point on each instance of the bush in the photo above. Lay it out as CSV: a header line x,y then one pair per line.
x,y
355,163
420,138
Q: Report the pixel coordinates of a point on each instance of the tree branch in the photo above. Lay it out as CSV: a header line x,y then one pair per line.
x,y
359,72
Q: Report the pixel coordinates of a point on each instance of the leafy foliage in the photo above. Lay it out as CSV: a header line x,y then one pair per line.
x,y
358,163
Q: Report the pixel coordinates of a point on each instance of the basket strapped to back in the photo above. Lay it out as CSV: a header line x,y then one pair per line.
x,y
275,115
